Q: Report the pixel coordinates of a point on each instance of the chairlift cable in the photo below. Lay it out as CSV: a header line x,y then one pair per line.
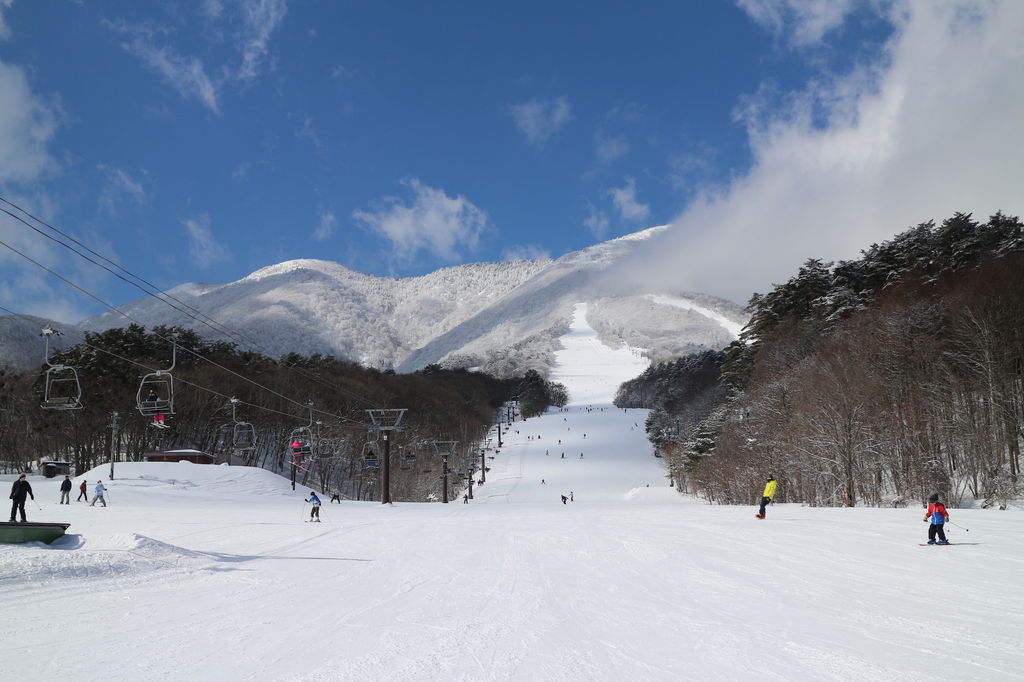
x,y
223,329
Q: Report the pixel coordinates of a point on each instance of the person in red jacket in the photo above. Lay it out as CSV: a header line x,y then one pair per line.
x,y
938,516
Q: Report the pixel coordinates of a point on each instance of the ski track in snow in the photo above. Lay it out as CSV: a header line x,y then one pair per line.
x,y
210,573
733,328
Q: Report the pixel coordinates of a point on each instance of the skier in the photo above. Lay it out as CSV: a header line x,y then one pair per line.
x,y
564,499
65,490
563,455
543,482
336,497
465,499
99,494
936,513
571,498
314,513
767,496
19,491
82,492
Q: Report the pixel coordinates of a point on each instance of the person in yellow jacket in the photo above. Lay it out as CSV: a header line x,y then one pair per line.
x,y
767,496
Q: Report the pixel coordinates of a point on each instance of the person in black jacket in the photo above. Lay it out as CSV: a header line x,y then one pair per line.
x,y
19,491
65,490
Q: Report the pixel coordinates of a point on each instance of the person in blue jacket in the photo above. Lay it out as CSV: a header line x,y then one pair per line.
x,y
314,513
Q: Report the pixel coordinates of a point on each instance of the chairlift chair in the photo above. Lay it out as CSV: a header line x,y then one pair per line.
x,y
160,383
370,458
61,390
243,436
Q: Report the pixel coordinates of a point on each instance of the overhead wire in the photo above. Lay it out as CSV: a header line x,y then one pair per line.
x,y
161,295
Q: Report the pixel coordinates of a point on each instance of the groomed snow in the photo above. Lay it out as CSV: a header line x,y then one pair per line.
x,y
209,573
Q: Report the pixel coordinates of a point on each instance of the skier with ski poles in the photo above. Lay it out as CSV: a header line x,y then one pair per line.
x,y
314,513
99,494
938,516
767,496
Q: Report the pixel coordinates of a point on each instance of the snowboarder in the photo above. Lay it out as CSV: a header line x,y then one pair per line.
x,y
82,492
938,516
564,499
767,496
158,417
314,513
19,491
65,490
336,497
99,494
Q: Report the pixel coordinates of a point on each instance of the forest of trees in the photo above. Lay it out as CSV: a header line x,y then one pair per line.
x,y
873,381
442,404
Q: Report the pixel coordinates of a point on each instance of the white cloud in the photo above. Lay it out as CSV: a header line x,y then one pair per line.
x,y
932,127
203,248
433,222
597,222
27,125
5,30
611,148
328,223
540,119
343,73
806,21
260,18
185,74
120,186
626,202
525,252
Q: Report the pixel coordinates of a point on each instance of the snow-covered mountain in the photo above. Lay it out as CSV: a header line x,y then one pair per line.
x,y
503,317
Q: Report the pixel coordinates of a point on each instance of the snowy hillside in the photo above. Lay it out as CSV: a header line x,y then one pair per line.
x,y
501,317
210,572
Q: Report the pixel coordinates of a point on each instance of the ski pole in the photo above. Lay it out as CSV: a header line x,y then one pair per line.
x,y
959,526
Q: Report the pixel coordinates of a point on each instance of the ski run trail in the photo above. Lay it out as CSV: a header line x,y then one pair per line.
x,y
210,573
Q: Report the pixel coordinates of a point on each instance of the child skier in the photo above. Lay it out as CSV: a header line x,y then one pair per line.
x,y
938,516
766,496
314,513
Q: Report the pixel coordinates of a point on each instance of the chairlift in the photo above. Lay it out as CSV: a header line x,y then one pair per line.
x,y
237,436
62,389
155,397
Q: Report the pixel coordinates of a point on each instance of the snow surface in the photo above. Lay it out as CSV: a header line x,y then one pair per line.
x,y
209,573
685,303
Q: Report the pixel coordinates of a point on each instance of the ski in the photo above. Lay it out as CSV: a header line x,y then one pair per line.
x,y
930,544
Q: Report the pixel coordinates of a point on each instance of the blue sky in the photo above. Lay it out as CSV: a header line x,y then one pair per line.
x,y
199,141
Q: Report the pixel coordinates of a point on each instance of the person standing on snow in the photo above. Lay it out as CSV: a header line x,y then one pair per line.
x,y
99,494
82,492
19,491
314,513
65,490
938,516
767,496
564,499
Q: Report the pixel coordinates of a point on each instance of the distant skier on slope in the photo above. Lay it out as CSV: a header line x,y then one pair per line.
x,y
564,499
19,491
767,496
938,516
314,513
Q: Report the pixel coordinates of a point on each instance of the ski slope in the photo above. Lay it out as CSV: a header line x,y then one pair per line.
x,y
209,573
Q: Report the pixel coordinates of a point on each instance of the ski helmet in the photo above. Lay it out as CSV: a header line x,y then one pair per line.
x,y
934,497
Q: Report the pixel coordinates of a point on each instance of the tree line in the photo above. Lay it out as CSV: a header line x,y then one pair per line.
x,y
871,381
443,404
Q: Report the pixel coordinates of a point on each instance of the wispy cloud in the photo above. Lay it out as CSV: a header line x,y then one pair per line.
x,y
433,222
920,133
27,126
260,18
185,74
597,222
805,21
540,119
328,223
525,252
5,30
203,248
611,148
624,198
119,187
